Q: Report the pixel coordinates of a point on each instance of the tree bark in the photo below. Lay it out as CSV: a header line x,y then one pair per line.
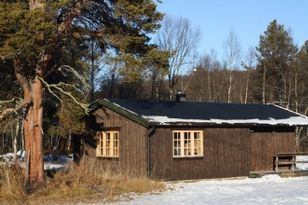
x,y
33,124
33,129
36,158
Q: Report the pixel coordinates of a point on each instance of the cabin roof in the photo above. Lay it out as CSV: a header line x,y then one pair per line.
x,y
199,113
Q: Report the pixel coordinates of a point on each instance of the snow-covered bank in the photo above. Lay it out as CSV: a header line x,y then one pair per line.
x,y
51,162
57,162
269,190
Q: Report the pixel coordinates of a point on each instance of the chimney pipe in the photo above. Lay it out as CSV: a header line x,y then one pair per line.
x,y
180,96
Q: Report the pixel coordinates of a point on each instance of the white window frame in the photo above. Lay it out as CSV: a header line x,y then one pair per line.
x,y
186,151
102,148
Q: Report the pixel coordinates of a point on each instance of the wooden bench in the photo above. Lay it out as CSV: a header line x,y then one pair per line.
x,y
287,161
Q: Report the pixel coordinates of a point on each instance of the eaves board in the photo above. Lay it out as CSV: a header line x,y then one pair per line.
x,y
121,111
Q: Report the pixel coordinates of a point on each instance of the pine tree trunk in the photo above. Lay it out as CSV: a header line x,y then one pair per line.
x,y
33,134
36,158
33,121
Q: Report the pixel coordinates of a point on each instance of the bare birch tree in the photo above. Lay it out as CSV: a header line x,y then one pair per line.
x,y
248,65
232,49
181,39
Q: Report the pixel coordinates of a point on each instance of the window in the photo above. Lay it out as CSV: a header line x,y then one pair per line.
x,y
188,143
107,144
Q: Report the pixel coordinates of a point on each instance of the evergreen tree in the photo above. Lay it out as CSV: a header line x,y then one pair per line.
x,y
276,54
300,79
40,36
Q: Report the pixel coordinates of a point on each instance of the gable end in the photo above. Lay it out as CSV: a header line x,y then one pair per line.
x,y
119,110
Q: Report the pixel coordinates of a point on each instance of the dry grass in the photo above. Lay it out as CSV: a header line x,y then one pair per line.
x,y
87,182
11,186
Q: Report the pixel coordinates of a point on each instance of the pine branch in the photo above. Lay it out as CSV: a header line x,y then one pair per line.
x,y
70,69
7,101
7,112
57,87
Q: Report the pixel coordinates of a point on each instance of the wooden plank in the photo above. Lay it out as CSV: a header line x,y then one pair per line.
x,y
292,153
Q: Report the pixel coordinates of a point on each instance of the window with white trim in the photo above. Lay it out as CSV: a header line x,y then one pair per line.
x,y
188,143
107,144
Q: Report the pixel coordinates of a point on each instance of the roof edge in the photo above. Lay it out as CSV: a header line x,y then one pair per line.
x,y
286,109
119,110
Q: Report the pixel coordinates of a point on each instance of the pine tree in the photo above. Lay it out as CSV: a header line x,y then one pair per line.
x,y
276,54
40,36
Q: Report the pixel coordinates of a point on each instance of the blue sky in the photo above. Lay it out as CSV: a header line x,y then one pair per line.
x,y
248,18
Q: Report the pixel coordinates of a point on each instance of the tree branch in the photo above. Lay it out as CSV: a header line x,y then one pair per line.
x,y
58,87
7,111
68,68
7,101
15,110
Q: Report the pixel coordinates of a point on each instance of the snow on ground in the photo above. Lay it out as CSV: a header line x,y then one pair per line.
x,y
268,190
51,162
57,162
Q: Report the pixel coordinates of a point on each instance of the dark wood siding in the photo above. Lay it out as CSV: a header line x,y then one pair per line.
x,y
226,154
264,146
132,142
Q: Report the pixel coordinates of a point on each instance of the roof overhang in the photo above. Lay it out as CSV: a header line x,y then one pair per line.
x,y
120,110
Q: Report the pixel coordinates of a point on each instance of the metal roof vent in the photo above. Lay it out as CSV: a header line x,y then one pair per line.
x,y
180,96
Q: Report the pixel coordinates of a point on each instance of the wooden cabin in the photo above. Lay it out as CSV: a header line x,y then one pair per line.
x,y
190,140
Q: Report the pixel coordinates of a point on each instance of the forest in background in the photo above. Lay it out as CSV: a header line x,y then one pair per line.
x,y
63,59
275,71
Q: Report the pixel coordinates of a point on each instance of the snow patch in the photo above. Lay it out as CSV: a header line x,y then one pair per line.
x,y
269,190
57,162
51,162
302,166
7,158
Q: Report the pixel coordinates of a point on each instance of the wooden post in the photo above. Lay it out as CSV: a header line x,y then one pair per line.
x,y
293,162
276,164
